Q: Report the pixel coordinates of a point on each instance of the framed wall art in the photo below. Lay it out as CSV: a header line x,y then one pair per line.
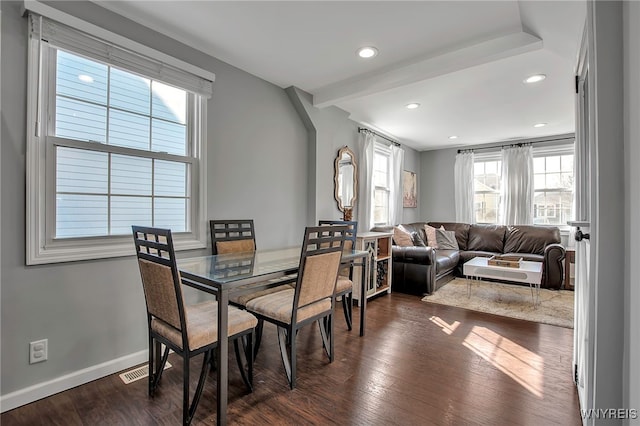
x,y
409,189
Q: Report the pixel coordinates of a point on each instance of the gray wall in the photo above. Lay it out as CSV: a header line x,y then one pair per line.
x,y
330,129
437,200
631,69
412,164
93,312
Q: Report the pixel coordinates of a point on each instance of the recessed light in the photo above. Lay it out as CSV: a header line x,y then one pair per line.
x,y
413,105
367,52
535,78
85,78
539,124
453,137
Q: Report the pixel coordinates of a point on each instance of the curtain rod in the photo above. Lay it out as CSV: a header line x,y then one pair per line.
x,y
511,145
365,130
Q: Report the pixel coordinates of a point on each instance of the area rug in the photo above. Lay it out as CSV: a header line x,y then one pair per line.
x,y
555,308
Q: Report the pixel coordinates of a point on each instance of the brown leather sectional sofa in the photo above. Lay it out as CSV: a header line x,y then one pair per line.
x,y
422,269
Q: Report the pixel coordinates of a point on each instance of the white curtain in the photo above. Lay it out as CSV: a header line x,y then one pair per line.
x,y
365,182
395,197
517,181
463,185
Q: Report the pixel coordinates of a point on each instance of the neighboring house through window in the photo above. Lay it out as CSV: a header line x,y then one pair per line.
x,y
487,174
117,140
553,186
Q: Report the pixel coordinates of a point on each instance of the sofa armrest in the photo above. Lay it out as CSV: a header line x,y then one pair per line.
x,y
552,273
418,254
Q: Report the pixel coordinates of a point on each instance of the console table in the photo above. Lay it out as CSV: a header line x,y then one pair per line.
x,y
378,278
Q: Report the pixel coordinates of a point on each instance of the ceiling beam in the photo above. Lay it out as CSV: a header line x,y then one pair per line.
x,y
424,68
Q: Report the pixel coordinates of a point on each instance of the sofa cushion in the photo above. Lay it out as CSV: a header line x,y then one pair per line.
x,y
486,237
432,239
446,239
417,239
530,239
461,230
402,237
446,260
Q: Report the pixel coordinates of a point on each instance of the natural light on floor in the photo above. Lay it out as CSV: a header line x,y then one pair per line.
x,y
519,363
447,328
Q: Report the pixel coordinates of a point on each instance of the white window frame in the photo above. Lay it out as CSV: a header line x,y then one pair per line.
x,y
41,246
554,151
483,158
384,150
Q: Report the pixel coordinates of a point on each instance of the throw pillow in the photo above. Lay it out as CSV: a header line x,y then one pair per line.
x,y
431,236
446,240
417,240
402,237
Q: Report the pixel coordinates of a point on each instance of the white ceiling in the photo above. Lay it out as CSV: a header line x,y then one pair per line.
x,y
463,61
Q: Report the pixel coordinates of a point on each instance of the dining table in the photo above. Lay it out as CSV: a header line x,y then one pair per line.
x,y
226,275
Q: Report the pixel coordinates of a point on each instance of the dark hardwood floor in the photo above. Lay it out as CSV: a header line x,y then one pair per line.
x,y
419,364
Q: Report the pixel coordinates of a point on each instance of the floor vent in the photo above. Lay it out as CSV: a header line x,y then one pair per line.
x,y
138,373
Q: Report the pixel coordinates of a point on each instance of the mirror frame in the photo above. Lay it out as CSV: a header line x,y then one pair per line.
x,y
336,165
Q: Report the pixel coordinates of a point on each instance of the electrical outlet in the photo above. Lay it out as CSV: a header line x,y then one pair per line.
x,y
38,351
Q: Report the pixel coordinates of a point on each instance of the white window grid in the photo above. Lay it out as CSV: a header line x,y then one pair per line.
x,y
553,205
54,142
382,185
42,246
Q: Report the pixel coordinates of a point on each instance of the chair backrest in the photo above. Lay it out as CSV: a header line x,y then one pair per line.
x,y
319,263
160,277
232,236
350,235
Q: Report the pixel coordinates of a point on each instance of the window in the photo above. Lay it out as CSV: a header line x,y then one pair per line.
x,y
553,188
120,147
487,174
381,182
117,142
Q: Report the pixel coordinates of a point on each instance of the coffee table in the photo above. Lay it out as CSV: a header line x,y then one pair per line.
x,y
528,272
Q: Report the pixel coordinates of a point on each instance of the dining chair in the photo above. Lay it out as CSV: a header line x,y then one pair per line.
x,y
344,285
236,236
188,330
311,300
232,236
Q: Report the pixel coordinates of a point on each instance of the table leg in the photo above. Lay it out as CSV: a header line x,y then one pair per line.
x,y
535,299
363,293
222,355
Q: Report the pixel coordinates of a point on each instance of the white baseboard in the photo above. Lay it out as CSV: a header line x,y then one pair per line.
x,y
77,378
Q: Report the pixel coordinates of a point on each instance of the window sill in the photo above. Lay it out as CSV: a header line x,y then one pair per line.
x,y
77,249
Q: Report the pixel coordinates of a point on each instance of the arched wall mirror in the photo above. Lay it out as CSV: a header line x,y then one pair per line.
x,y
346,181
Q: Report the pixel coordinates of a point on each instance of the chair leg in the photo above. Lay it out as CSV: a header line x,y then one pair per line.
x,y
331,351
152,352
347,308
246,353
293,334
185,390
190,410
325,325
258,338
212,361
285,345
155,372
